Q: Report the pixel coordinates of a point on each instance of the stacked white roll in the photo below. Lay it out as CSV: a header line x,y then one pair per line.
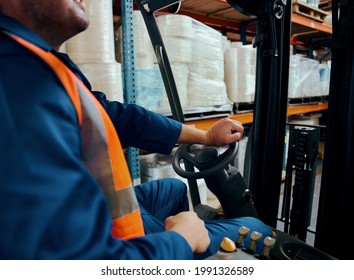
x,y
177,34
208,55
240,72
204,92
63,48
93,50
96,44
105,77
173,25
143,50
179,50
197,62
206,86
226,43
180,73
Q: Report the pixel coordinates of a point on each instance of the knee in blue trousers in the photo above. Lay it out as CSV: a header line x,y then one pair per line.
x,y
165,197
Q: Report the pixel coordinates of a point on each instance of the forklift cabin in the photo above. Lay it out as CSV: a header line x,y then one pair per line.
x,y
258,193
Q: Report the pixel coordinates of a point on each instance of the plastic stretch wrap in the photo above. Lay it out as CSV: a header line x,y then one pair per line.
x,y
149,87
195,52
180,74
105,77
151,93
294,76
175,26
202,31
96,44
144,53
325,77
307,77
310,77
207,43
208,56
178,49
240,73
206,86
313,3
203,92
208,69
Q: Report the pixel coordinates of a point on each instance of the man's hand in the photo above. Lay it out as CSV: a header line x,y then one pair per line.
x,y
224,132
191,228
221,133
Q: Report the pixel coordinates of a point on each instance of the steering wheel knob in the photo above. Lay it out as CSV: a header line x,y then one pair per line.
x,y
207,155
247,195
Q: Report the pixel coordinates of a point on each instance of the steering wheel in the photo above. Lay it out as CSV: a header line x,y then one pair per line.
x,y
206,158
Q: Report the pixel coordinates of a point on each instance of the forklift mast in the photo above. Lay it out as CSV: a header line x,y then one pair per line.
x,y
336,207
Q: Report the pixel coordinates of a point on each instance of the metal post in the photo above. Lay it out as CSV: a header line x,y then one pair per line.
x,y
270,106
129,90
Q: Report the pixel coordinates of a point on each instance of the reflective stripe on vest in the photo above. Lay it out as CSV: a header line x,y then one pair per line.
x,y
102,151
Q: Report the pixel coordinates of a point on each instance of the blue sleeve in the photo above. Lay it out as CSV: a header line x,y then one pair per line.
x,y
50,205
136,126
140,128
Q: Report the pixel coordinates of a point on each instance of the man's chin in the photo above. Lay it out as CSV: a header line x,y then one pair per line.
x,y
82,24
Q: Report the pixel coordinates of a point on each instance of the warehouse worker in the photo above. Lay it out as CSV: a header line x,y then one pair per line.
x,y
65,189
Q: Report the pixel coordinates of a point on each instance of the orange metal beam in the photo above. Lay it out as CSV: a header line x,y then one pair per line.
x,y
247,118
311,24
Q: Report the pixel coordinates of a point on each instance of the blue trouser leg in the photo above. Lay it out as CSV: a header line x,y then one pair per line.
x,y
162,198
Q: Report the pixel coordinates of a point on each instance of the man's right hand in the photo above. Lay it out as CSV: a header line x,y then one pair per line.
x,y
191,228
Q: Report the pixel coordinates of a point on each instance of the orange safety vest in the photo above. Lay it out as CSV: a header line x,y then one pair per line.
x,y
102,151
